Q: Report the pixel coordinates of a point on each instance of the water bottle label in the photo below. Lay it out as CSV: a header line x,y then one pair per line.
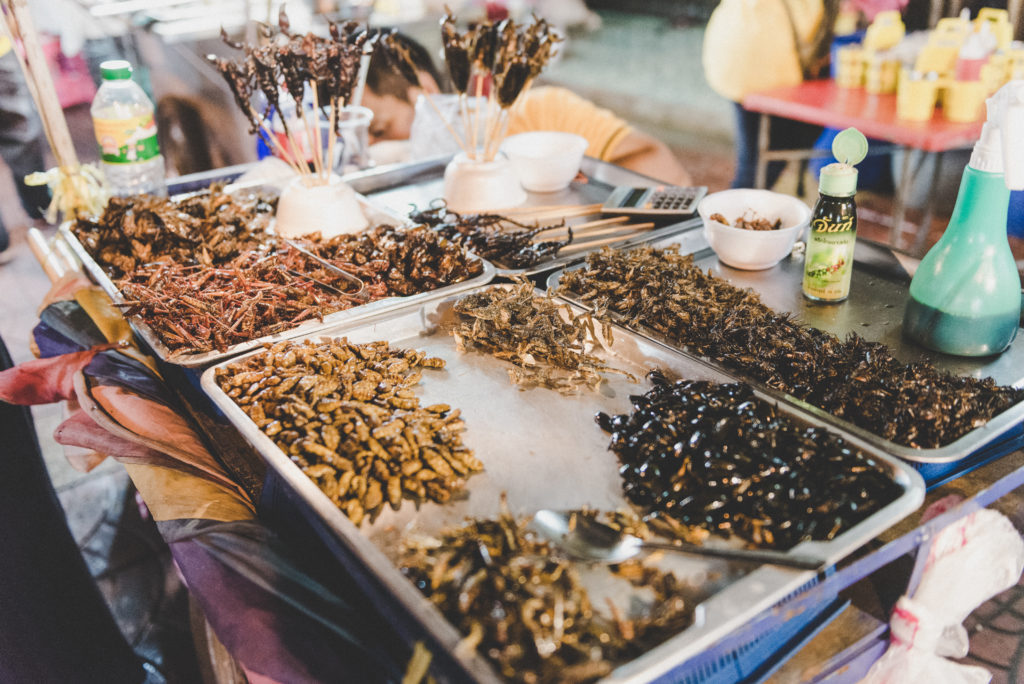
x,y
126,141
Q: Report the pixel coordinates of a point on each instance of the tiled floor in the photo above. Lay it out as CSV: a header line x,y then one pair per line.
x,y
646,68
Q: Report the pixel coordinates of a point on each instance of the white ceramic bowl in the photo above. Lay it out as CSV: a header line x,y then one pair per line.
x,y
545,161
753,250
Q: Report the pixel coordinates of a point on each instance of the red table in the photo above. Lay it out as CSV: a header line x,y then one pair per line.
x,y
825,104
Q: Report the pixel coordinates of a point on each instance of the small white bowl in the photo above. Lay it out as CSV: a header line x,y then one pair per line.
x,y
474,185
545,161
331,209
753,250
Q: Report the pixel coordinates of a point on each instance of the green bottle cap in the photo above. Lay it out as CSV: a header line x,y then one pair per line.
x,y
840,179
115,70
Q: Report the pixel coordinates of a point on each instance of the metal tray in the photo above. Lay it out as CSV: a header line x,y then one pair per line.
x,y
199,360
544,450
400,187
874,311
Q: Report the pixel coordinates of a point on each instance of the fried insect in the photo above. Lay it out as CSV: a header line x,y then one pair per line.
x,y
717,456
195,309
913,404
525,608
348,416
210,227
399,261
547,344
293,63
497,238
749,221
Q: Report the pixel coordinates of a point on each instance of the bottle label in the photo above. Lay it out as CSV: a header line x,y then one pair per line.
x,y
126,141
828,266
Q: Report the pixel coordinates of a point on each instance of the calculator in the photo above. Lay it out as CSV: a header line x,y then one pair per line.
x,y
660,200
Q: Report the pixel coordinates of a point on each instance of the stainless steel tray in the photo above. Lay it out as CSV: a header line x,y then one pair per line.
x,y
199,360
545,450
874,311
401,187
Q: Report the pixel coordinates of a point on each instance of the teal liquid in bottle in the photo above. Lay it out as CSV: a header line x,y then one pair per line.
x,y
965,296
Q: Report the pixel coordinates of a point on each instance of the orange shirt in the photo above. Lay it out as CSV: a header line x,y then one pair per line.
x,y
550,108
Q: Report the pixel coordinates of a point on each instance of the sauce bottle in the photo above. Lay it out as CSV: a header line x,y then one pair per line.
x,y
828,264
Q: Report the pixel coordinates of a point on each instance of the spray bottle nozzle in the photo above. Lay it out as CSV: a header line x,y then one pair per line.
x,y
1000,149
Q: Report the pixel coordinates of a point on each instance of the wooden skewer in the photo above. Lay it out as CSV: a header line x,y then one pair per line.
x,y
634,228
316,145
549,208
625,231
575,246
590,224
552,215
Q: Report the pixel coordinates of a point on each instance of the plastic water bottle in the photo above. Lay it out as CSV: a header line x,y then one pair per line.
x,y
122,116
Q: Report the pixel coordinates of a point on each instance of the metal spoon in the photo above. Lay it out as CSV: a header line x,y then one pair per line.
x,y
584,538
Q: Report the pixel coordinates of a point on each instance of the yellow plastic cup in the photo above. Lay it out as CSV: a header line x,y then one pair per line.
x,y
885,31
850,71
999,23
965,101
915,97
939,57
881,75
995,72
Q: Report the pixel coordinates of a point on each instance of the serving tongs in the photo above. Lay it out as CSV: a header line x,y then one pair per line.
x,y
361,294
584,538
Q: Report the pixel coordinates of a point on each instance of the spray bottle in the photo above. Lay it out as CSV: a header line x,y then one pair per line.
x,y
965,296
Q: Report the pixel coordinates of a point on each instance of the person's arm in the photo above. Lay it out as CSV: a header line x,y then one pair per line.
x,y
644,154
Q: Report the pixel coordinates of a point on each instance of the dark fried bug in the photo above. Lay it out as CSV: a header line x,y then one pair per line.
x,y
399,261
912,404
209,227
329,66
346,414
500,239
718,457
545,341
204,274
525,608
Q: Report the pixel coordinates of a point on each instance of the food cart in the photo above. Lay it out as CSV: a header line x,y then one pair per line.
x,y
520,449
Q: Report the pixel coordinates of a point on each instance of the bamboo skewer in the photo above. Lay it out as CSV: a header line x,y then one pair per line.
x,y
555,208
19,25
315,141
590,224
332,137
624,230
476,107
575,246
286,154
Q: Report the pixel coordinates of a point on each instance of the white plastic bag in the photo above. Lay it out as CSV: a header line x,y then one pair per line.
x,y
970,561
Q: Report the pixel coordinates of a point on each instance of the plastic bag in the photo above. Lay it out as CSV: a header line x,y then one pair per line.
x,y
970,561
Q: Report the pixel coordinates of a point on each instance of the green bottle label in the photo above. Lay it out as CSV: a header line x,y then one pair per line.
x,y
828,265
125,141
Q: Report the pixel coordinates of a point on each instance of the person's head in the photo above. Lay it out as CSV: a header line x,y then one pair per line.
x,y
391,96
